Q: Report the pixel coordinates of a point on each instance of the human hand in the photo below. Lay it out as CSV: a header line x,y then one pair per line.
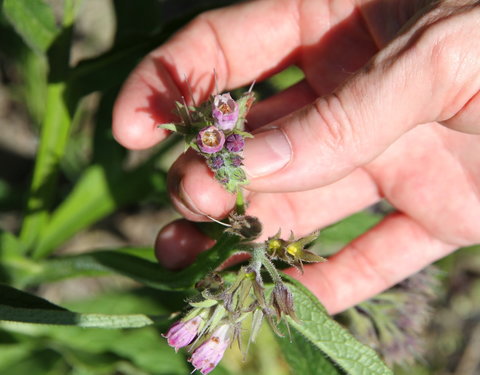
x,y
338,141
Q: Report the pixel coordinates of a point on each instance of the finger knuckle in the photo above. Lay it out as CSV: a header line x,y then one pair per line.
x,y
334,126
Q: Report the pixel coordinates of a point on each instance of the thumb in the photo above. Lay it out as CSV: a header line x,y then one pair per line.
x,y
335,134
412,81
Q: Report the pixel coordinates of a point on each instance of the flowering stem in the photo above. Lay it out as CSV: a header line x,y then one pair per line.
x,y
240,202
259,258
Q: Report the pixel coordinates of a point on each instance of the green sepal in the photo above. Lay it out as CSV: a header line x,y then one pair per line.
x,y
244,134
192,314
182,129
184,112
304,241
204,304
217,316
244,104
257,321
310,257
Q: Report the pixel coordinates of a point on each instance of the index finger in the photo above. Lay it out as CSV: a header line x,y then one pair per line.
x,y
241,43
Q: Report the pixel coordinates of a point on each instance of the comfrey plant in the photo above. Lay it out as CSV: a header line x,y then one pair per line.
x,y
217,315
216,130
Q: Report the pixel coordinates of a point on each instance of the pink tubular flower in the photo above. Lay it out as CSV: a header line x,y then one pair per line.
x,y
182,333
225,111
210,140
206,357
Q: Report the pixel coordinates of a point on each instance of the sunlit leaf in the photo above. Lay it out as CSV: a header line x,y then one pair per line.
x,y
316,325
304,357
33,20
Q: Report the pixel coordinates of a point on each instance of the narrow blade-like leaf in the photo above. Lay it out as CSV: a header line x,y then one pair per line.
x,y
141,270
21,307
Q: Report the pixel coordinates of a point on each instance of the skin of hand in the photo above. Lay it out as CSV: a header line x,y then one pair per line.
x,y
389,108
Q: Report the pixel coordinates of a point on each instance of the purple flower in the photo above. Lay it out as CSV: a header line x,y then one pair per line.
x,y
210,140
182,333
236,160
206,357
224,180
216,162
234,143
224,111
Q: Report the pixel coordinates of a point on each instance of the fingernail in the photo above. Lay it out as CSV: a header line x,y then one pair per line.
x,y
186,200
268,152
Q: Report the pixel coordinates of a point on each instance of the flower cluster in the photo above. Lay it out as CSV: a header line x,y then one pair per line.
x,y
218,314
293,251
216,131
208,354
216,318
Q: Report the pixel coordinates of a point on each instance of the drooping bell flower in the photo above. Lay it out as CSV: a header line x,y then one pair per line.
x,y
224,111
207,356
282,301
182,333
210,140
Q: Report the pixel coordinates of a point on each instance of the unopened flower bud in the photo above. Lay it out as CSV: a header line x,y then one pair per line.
x,y
234,143
224,111
236,160
216,162
210,140
282,301
245,226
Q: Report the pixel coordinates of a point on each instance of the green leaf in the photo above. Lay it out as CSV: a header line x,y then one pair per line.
x,y
53,139
149,351
38,362
33,70
286,78
132,301
304,357
56,317
9,244
15,268
91,199
174,128
243,133
55,129
338,344
17,298
349,228
13,353
98,193
143,271
21,307
244,104
334,237
33,20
